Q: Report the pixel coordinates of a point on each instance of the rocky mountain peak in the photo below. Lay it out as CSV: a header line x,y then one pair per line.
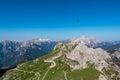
x,y
83,54
41,40
90,41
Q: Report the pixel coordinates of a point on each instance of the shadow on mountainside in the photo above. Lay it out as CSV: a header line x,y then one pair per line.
x,y
2,71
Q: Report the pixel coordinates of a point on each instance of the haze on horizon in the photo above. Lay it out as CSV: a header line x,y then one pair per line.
x,y
59,19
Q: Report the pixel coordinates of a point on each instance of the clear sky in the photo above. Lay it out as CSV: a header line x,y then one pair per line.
x,y
59,19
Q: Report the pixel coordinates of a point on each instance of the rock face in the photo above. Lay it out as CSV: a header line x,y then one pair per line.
x,y
70,61
113,48
85,55
13,53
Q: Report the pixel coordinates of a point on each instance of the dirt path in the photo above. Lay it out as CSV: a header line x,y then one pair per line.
x,y
45,74
65,75
52,65
37,74
52,61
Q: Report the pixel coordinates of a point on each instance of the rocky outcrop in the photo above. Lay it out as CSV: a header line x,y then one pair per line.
x,y
85,55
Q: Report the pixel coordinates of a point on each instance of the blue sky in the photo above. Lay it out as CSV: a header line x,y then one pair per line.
x,y
59,19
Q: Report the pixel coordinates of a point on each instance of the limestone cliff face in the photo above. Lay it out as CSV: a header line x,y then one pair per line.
x,y
85,55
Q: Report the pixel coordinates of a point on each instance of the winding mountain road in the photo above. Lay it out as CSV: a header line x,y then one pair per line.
x,y
52,61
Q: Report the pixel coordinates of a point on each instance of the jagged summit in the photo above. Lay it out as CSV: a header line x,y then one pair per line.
x,y
86,40
40,40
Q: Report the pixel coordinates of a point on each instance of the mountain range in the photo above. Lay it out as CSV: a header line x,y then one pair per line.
x,y
13,53
84,58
